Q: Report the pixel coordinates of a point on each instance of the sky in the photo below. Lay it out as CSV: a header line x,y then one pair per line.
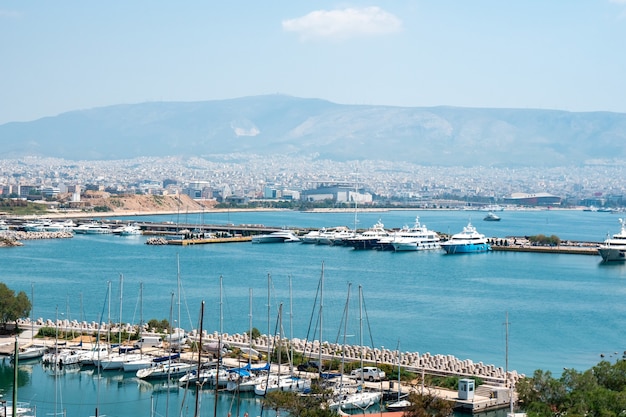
x,y
59,56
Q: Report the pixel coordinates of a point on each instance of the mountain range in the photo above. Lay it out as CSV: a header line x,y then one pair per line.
x,y
279,124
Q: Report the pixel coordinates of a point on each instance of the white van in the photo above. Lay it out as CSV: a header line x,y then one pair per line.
x,y
149,341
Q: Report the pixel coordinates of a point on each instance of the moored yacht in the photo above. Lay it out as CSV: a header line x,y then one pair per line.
x,y
368,239
614,247
467,241
93,228
417,237
281,236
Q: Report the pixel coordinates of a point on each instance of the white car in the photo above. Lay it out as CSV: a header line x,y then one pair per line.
x,y
368,373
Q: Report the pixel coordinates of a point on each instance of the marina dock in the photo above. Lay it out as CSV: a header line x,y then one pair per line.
x,y
493,393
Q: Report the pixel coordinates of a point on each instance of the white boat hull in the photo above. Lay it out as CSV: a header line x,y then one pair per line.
x,y
609,254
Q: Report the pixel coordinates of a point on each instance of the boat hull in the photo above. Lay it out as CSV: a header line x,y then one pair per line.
x,y
466,248
612,254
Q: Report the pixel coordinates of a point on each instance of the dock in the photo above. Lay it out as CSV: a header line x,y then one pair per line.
x,y
204,241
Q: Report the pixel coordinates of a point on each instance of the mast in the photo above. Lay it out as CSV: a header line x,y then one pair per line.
x,y
15,370
219,354
290,327
178,288
197,409
119,338
269,327
140,331
169,360
356,191
321,318
345,329
250,327
361,329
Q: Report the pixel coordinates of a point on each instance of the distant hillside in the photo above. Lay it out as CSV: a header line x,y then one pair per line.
x,y
277,124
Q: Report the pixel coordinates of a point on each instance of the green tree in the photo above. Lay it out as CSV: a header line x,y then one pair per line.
x,y
428,405
301,405
598,392
12,307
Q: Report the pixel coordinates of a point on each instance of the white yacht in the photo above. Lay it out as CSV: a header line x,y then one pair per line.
x,y
93,228
417,237
368,239
281,236
467,241
614,247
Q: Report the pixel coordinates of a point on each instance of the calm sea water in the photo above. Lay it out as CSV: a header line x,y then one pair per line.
x,y
564,310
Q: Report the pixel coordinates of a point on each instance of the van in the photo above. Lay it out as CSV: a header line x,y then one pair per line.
x,y
149,341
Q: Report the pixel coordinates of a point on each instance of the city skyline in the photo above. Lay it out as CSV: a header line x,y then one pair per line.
x,y
249,176
559,55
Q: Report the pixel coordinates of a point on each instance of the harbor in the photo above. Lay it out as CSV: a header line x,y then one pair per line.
x,y
493,392
447,305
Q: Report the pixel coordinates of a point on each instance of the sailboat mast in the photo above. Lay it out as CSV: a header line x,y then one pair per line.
x,y
290,326
219,354
197,409
15,370
178,289
345,329
321,318
119,339
269,327
250,327
361,329
506,328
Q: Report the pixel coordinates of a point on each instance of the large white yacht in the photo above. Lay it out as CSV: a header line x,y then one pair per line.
x,y
417,237
614,247
467,241
280,236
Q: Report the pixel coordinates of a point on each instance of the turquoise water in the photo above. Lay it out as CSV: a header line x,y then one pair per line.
x,y
564,310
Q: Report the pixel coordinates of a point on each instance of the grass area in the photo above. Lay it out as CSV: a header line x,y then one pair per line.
x,y
21,208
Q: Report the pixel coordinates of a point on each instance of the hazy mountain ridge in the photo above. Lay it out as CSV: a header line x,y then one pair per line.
x,y
277,124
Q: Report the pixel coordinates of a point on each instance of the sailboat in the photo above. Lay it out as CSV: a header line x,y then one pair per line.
x,y
166,369
31,351
360,399
14,408
401,403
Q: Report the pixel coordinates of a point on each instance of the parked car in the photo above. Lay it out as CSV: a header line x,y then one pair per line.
x,y
368,373
309,366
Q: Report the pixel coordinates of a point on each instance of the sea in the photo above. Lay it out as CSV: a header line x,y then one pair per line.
x,y
519,311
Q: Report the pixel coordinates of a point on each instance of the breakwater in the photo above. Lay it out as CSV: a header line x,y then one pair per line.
x,y
427,363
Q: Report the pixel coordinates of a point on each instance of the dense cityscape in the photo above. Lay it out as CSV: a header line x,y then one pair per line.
x,y
239,179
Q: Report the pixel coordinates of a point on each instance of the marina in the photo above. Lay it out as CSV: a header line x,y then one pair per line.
x,y
565,310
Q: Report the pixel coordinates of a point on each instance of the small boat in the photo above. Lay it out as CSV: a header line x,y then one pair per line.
x,y
208,376
281,236
30,352
128,230
491,217
467,241
614,247
165,370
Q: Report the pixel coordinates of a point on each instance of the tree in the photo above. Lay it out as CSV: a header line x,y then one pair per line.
x,y
12,307
599,391
428,405
312,405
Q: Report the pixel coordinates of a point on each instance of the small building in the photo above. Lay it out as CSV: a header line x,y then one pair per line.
x,y
466,389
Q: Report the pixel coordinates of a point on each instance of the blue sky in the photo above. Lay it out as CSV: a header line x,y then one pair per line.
x,y
58,56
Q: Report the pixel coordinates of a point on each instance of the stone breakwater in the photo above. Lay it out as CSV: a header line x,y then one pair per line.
x,y
19,235
440,365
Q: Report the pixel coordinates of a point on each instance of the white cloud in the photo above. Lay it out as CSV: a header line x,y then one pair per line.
x,y
343,24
